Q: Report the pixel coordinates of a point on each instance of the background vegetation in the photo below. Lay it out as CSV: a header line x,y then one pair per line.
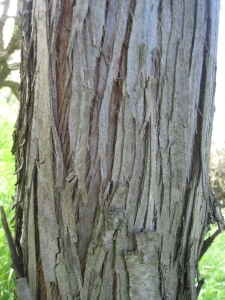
x,y
8,111
212,268
212,265
9,84
9,44
217,173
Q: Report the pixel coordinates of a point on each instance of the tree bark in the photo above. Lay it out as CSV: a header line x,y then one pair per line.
x,y
112,145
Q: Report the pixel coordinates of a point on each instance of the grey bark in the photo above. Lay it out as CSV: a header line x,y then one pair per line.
x,y
112,145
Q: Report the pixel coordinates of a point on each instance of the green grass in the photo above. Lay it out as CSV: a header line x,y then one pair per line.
x,y
212,268
7,190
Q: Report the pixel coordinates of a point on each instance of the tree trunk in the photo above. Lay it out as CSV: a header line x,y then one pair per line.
x,y
112,145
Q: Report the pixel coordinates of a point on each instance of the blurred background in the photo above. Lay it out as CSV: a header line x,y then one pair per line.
x,y
9,103
212,265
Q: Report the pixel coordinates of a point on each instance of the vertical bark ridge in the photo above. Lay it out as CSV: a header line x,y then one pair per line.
x,y
195,11
120,83
80,110
136,119
63,82
48,230
41,292
113,62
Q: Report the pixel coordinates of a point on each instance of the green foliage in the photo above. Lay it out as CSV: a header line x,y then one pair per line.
x,y
7,181
217,174
7,66
212,264
212,268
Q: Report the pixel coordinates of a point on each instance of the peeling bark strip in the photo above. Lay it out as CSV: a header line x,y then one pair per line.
x,y
112,146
